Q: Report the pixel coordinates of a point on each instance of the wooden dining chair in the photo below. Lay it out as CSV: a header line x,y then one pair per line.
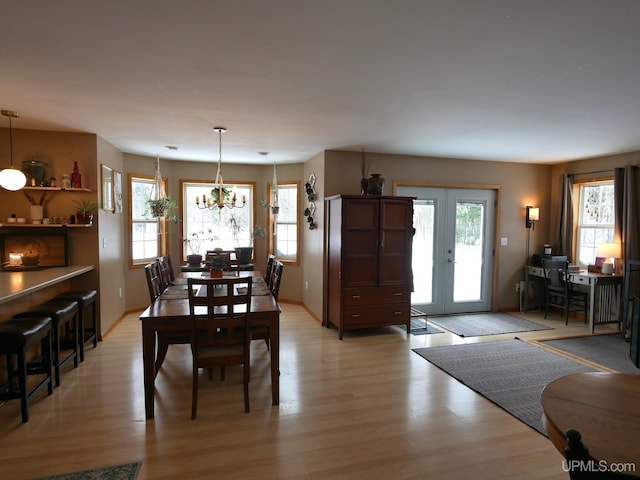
x,y
156,286
220,336
267,273
154,280
261,332
167,274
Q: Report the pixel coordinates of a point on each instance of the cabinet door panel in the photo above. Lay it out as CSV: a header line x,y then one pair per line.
x,y
360,245
396,222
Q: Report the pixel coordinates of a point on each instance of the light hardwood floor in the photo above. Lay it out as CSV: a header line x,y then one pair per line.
x,y
366,407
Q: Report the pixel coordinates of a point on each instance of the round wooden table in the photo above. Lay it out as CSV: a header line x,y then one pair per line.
x,y
604,407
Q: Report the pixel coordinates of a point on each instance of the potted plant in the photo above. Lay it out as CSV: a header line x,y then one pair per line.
x,y
245,254
162,207
274,209
84,211
215,263
194,243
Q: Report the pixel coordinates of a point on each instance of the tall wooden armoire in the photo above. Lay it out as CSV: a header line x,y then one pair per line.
x,y
369,261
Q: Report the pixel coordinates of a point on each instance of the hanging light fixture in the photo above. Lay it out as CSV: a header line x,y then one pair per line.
x,y
275,206
220,195
157,191
11,178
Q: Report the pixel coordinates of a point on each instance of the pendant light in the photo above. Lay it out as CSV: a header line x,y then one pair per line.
x,y
11,178
220,196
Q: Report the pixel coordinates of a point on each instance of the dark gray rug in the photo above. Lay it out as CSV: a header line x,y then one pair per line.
x,y
510,373
480,324
126,471
610,351
419,326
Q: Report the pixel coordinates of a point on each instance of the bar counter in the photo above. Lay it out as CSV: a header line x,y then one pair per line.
x,y
21,289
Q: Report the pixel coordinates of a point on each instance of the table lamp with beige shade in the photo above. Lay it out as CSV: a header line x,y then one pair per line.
x,y
610,252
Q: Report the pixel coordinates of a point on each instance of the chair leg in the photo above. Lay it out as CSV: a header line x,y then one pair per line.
x,y
22,382
194,393
245,381
162,353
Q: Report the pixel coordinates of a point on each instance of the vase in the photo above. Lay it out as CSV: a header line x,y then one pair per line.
x,y
85,218
216,273
244,254
194,260
375,184
37,212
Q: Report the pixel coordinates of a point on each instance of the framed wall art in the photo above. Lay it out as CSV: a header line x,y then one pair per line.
x,y
117,191
107,188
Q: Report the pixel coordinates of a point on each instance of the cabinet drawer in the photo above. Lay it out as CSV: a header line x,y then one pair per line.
x,y
375,295
579,279
376,315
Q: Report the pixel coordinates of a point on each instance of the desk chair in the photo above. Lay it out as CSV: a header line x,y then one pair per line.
x,y
559,290
220,333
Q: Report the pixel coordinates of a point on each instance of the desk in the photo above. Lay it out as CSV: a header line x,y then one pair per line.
x,y
603,407
608,287
173,314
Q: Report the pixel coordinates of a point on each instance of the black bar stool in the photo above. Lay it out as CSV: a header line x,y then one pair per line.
x,y
17,336
85,299
63,314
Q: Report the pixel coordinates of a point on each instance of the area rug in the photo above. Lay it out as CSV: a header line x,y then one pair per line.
x,y
480,324
510,373
126,471
610,350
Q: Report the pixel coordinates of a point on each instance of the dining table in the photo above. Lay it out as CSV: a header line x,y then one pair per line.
x,y
170,313
603,407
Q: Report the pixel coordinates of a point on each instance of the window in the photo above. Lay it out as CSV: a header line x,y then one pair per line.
x,y
283,233
147,232
225,228
596,218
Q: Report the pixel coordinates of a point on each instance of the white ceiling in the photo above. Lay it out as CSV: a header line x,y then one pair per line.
x,y
538,81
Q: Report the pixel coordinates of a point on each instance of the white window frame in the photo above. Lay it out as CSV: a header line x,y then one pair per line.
x,y
289,250
593,232
146,220
204,222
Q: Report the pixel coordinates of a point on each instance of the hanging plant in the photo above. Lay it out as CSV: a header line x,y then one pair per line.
x,y
162,207
226,195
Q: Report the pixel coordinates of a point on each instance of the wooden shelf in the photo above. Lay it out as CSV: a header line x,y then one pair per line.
x,y
57,189
48,225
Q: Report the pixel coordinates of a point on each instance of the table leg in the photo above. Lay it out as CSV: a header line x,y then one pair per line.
x,y
148,360
274,340
592,304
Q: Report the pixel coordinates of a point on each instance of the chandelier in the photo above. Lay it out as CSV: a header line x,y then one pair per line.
x,y
11,178
220,195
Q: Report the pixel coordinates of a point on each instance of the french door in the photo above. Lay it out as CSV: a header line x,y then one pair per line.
x,y
452,249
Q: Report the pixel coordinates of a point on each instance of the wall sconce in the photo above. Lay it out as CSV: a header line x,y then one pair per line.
x,y
533,215
609,251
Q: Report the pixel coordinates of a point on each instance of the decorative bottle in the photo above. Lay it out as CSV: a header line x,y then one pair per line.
x,y
76,178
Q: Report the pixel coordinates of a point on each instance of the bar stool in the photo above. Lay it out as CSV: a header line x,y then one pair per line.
x,y
85,299
17,336
64,314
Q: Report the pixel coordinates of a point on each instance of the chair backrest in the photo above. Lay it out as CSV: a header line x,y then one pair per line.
x,y
267,274
166,270
219,308
154,280
556,272
276,276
